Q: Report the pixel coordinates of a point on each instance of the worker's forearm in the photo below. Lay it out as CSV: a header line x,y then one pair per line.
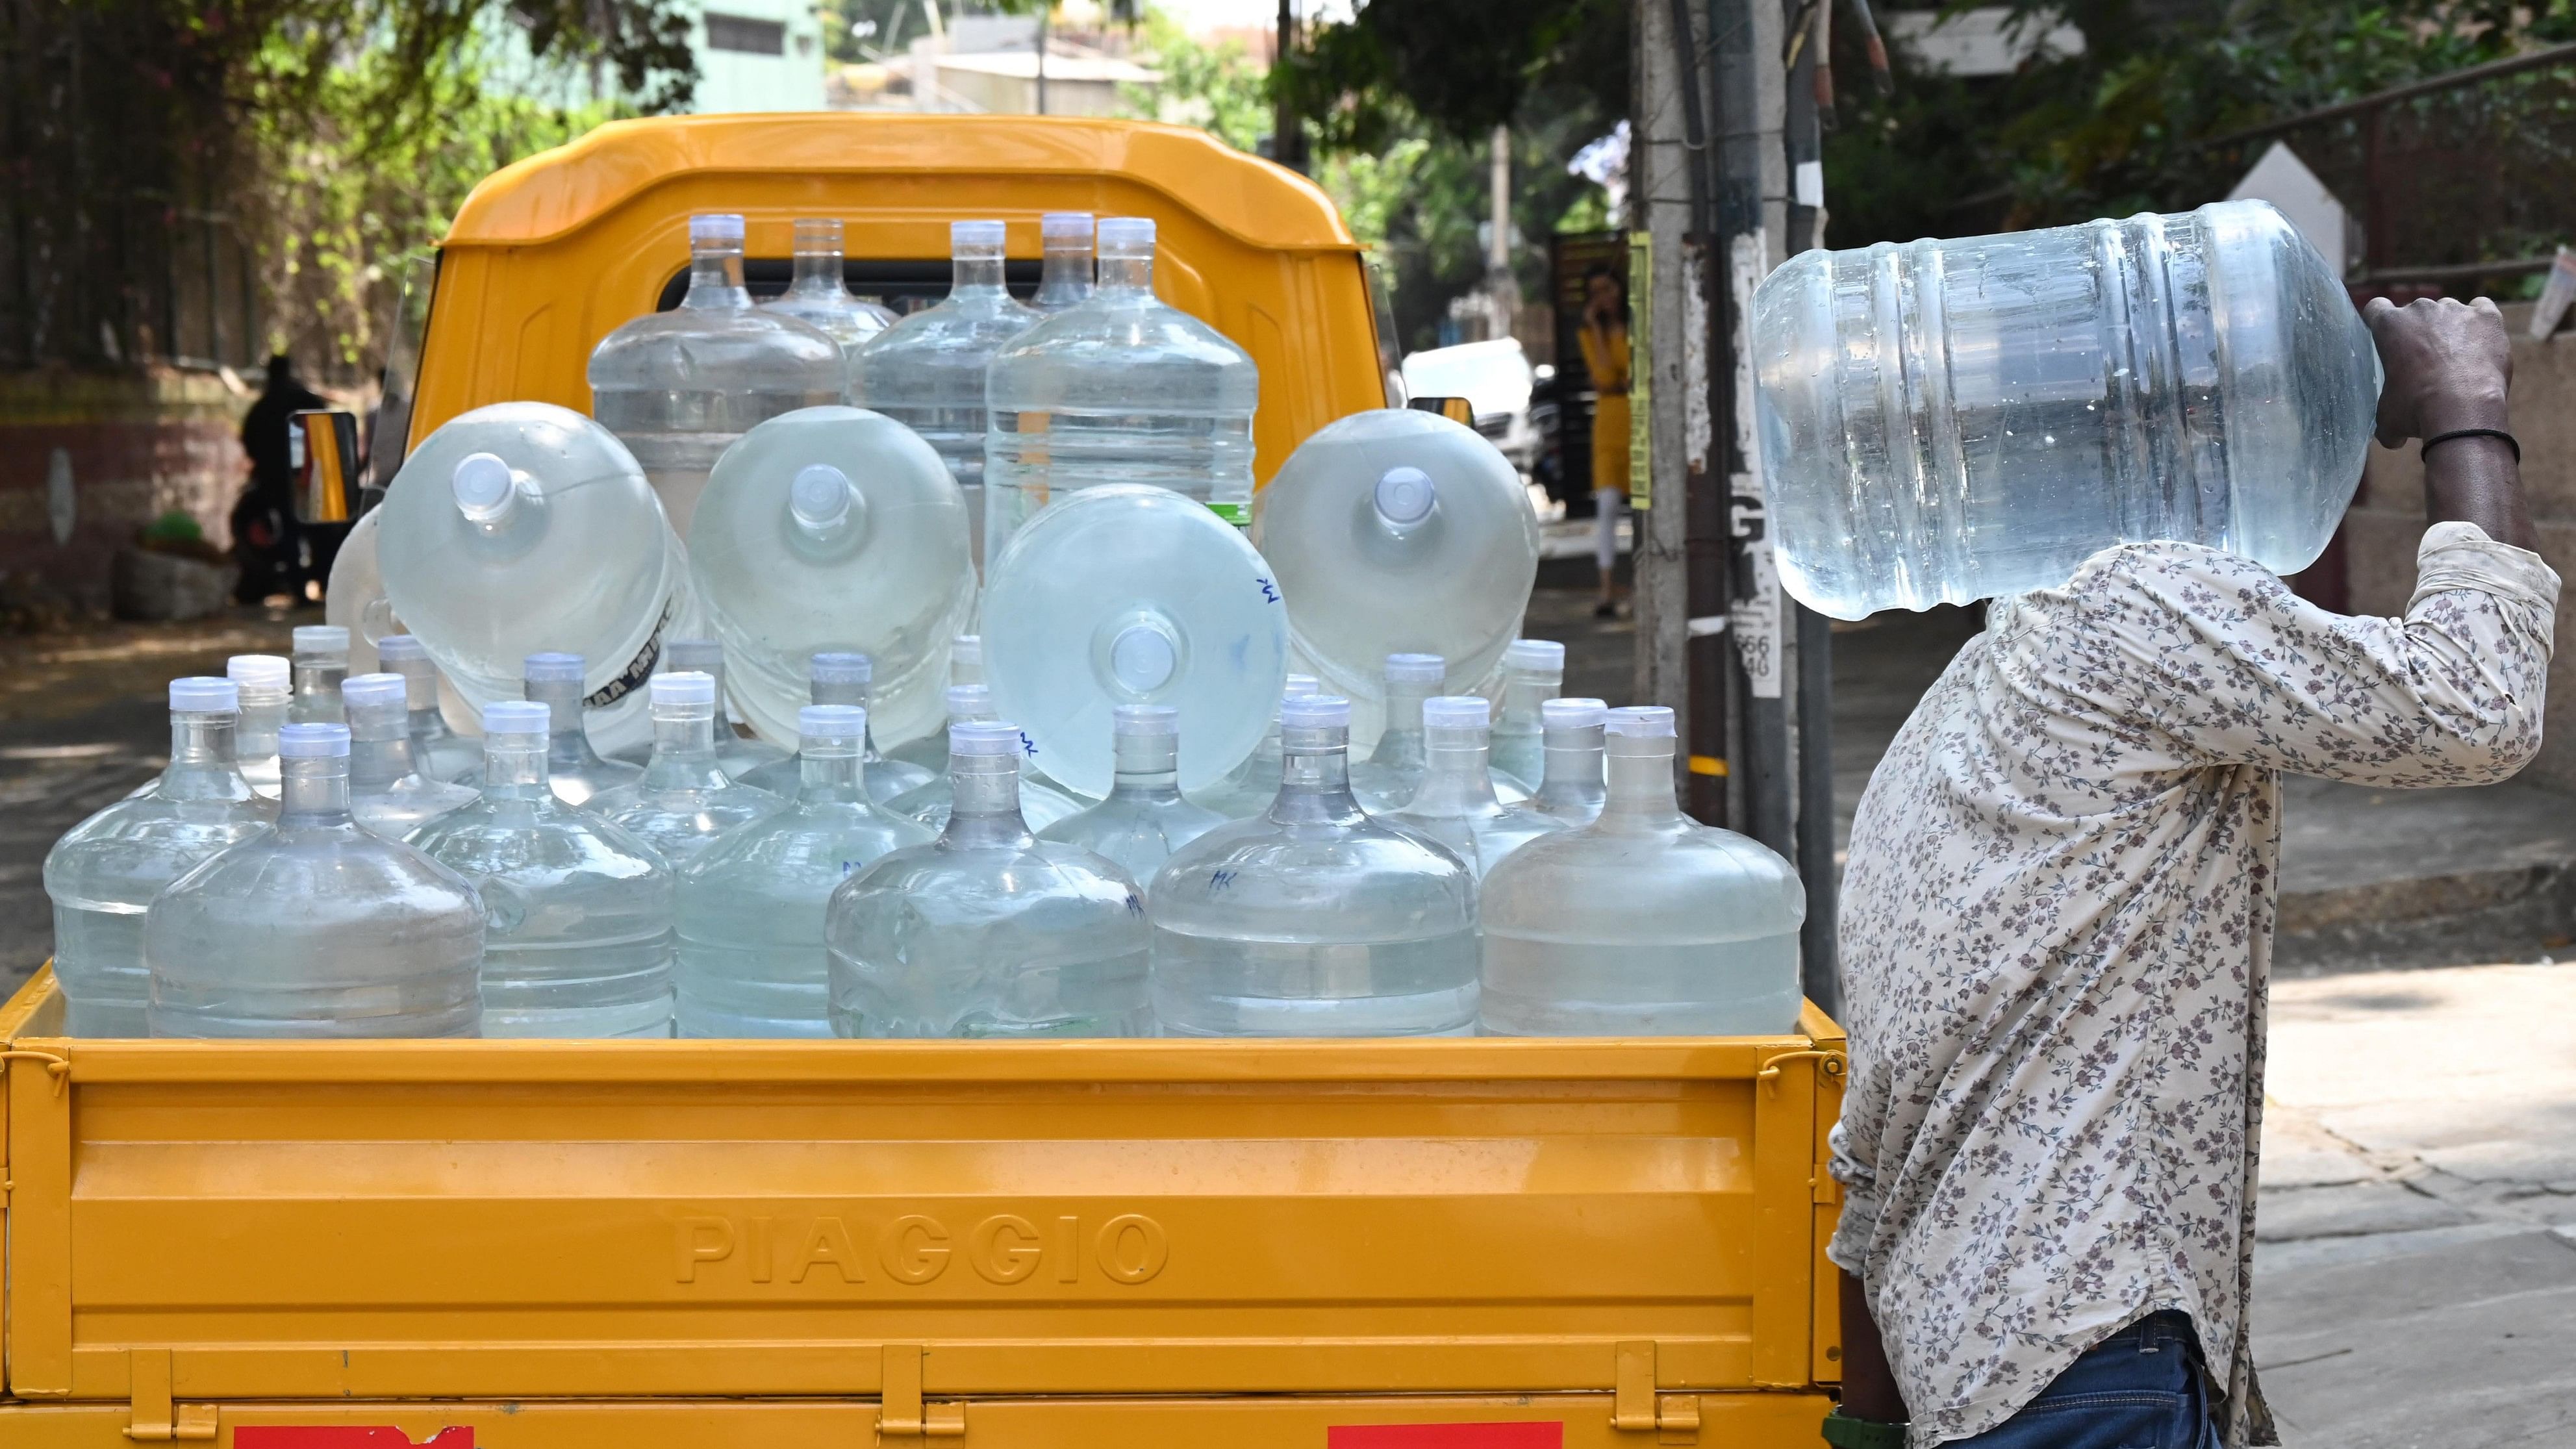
x,y
2475,480
1869,1385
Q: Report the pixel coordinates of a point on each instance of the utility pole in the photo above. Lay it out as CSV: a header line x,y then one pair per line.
x,y
1716,639
1044,9
1811,720
1287,131
1502,289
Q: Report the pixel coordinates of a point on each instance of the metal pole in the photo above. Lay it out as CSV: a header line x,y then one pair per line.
x,y
1751,222
1668,302
1811,712
1287,131
1043,7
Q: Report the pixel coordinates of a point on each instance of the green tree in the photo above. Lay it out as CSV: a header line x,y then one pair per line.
x,y
350,117
1219,89
1401,101
2125,126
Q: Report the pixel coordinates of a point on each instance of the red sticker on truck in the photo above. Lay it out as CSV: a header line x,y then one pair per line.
x,y
346,1436
1542,1434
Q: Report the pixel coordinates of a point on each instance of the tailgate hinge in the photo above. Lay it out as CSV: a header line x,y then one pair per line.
x,y
1635,1406
154,1416
904,1420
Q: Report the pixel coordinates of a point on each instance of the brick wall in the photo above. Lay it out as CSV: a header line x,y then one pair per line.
x,y
2387,520
134,447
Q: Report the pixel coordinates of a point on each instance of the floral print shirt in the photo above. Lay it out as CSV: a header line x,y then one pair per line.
x,y
2056,932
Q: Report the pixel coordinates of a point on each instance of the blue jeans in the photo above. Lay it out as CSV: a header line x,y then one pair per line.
x,y
2141,1388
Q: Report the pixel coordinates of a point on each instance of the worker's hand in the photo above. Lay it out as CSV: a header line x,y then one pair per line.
x,y
2447,363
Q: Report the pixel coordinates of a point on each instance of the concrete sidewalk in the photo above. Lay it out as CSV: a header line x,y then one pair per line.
x,y
2415,1266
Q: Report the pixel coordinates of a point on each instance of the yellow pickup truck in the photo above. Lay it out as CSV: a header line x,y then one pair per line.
x,y
1384,1244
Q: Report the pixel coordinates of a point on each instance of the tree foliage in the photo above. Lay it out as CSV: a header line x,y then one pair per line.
x,y
324,134
1401,101
2125,126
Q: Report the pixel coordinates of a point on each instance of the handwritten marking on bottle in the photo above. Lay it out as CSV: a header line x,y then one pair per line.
x,y
1269,593
1219,880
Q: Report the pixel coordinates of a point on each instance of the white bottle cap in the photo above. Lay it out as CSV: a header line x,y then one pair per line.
x,y
831,721
1315,712
321,639
841,667
969,699
553,668
312,741
984,737
1405,495
706,656
259,671
1126,236
715,229
967,648
684,686
1457,712
820,495
1571,714
1066,226
362,691
400,649
1300,685
482,485
1143,659
1541,654
971,238
201,694
1144,719
1415,668
517,717
1641,722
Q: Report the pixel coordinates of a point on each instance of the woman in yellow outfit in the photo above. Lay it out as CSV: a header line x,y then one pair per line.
x,y
1605,356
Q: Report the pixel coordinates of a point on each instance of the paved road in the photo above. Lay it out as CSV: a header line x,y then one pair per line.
x,y
84,718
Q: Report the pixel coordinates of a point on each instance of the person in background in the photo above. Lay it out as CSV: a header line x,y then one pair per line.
x,y
2056,937
1605,356
266,541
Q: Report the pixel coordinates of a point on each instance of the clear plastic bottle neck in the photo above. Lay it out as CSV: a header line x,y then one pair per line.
x,y
684,749
379,746
1148,767
262,711
1066,275
972,272
1573,761
1401,742
204,764
1315,778
984,801
1127,275
317,689
818,271
1456,777
1641,789
313,790
715,280
830,770
1525,690
515,766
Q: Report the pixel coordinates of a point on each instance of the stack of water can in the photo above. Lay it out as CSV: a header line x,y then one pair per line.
x,y
1168,835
